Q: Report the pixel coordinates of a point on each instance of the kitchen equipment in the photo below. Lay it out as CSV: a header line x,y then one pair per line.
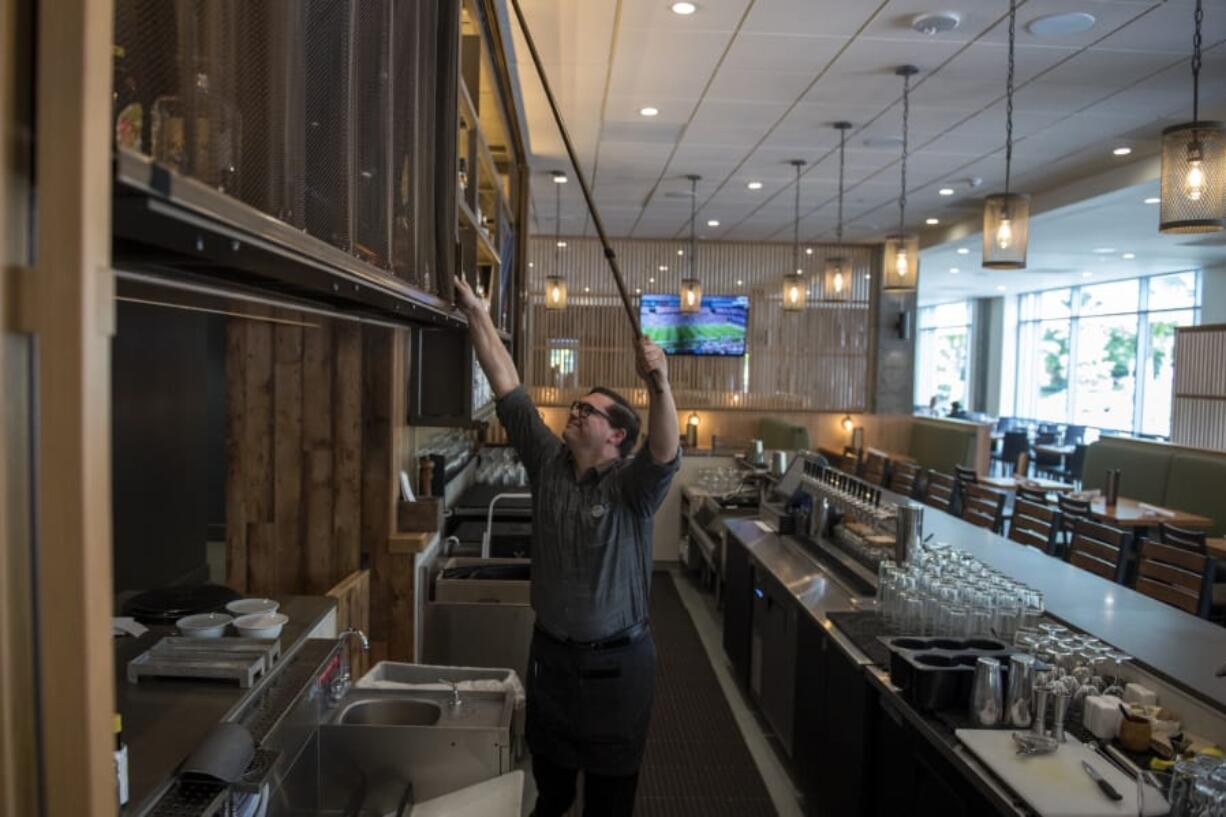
x,y
1054,784
1135,734
1059,713
1021,690
756,453
261,625
488,581
165,605
203,625
938,673
246,607
228,659
1038,723
779,463
908,531
987,697
1106,787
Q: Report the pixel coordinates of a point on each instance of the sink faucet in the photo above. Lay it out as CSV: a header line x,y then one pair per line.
x,y
340,685
456,701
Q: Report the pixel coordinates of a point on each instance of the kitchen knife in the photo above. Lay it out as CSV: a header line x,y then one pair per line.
x,y
1107,788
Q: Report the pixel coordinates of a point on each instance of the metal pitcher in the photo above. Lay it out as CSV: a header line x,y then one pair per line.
x,y
987,697
908,531
1021,688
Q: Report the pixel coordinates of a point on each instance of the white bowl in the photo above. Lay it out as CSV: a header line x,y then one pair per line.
x,y
204,625
246,607
260,625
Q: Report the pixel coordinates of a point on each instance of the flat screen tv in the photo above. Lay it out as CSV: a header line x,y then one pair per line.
x,y
718,328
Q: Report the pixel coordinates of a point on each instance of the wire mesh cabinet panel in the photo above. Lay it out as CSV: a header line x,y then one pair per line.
x,y
372,132
327,87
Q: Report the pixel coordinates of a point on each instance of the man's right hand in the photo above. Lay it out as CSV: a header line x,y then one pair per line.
x,y
466,299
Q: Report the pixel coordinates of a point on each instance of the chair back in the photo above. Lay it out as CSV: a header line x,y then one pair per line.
x,y
1179,577
983,506
1036,495
904,478
1193,540
1013,445
849,463
940,491
1035,524
965,475
1046,437
876,468
1071,510
1076,463
1073,435
1100,549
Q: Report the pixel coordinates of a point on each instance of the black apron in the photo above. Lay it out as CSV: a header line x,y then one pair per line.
x,y
588,707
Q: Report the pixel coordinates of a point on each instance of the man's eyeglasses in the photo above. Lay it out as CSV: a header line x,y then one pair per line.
x,y
586,410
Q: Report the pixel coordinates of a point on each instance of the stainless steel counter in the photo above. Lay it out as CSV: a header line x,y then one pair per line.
x,y
164,720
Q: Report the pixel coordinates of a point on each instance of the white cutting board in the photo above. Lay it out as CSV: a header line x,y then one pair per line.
x,y
500,796
1055,785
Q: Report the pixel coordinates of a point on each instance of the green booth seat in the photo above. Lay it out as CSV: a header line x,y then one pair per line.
x,y
1197,483
1144,467
780,435
942,444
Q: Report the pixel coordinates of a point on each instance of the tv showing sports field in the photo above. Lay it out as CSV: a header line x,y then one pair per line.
x,y
718,328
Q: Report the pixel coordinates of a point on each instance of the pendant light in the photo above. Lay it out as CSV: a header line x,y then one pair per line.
x,y
794,294
1006,216
1194,164
691,287
836,280
555,285
902,248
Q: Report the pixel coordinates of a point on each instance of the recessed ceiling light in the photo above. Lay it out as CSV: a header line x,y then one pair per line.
x,y
938,23
1122,150
648,111
559,177
1001,287
651,280
754,185
712,222
931,221
680,252
1128,256
945,191
638,291
1103,250
1152,200
531,264
954,270
561,243
963,251
868,276
1061,25
684,8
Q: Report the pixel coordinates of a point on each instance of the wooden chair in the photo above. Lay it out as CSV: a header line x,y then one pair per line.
x,y
876,468
849,463
1034,495
1100,549
965,475
1177,576
1193,540
904,478
1035,524
1070,511
983,506
940,490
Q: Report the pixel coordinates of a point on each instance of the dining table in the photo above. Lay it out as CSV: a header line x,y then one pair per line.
x,y
1055,449
1216,546
1010,484
1132,514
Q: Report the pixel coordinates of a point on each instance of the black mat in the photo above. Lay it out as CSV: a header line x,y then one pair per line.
x,y
697,763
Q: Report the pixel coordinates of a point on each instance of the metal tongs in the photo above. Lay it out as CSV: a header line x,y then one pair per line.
x,y
1030,743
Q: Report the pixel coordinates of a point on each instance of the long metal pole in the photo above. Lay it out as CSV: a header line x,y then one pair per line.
x,y
609,254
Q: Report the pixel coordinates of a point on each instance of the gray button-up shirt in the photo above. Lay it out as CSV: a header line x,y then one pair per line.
x,y
591,536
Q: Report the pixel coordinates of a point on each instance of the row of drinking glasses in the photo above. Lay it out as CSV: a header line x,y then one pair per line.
x,y
1083,664
720,481
947,592
1198,787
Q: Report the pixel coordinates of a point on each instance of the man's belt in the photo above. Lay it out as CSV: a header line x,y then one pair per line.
x,y
623,638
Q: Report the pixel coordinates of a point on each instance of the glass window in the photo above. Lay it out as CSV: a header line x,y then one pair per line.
x,y
1102,355
1105,376
943,355
1109,299
1176,291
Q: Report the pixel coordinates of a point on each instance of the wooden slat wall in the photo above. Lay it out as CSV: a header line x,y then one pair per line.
x,y
1198,407
814,360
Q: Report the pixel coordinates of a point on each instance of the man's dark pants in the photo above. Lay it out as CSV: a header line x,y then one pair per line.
x,y
588,710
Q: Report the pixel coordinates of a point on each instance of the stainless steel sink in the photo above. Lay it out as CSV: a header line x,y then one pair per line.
x,y
390,712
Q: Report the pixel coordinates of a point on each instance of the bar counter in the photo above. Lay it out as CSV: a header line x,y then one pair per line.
x,y
164,720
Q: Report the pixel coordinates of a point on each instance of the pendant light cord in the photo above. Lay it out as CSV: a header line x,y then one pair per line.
x,y
1009,96
693,240
906,117
1200,18
557,229
796,226
842,145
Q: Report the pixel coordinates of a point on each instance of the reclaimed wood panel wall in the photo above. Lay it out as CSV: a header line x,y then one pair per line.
x,y
1198,406
812,360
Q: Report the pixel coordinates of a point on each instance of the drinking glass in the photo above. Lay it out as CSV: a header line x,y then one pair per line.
x,y
911,613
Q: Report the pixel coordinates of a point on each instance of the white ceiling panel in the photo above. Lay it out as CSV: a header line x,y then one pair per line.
x,y
717,15
833,18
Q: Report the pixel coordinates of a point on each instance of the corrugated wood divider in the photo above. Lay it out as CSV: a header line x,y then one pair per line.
x,y
352,595
817,359
1198,405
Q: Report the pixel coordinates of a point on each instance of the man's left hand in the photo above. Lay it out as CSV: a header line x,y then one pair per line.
x,y
650,358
